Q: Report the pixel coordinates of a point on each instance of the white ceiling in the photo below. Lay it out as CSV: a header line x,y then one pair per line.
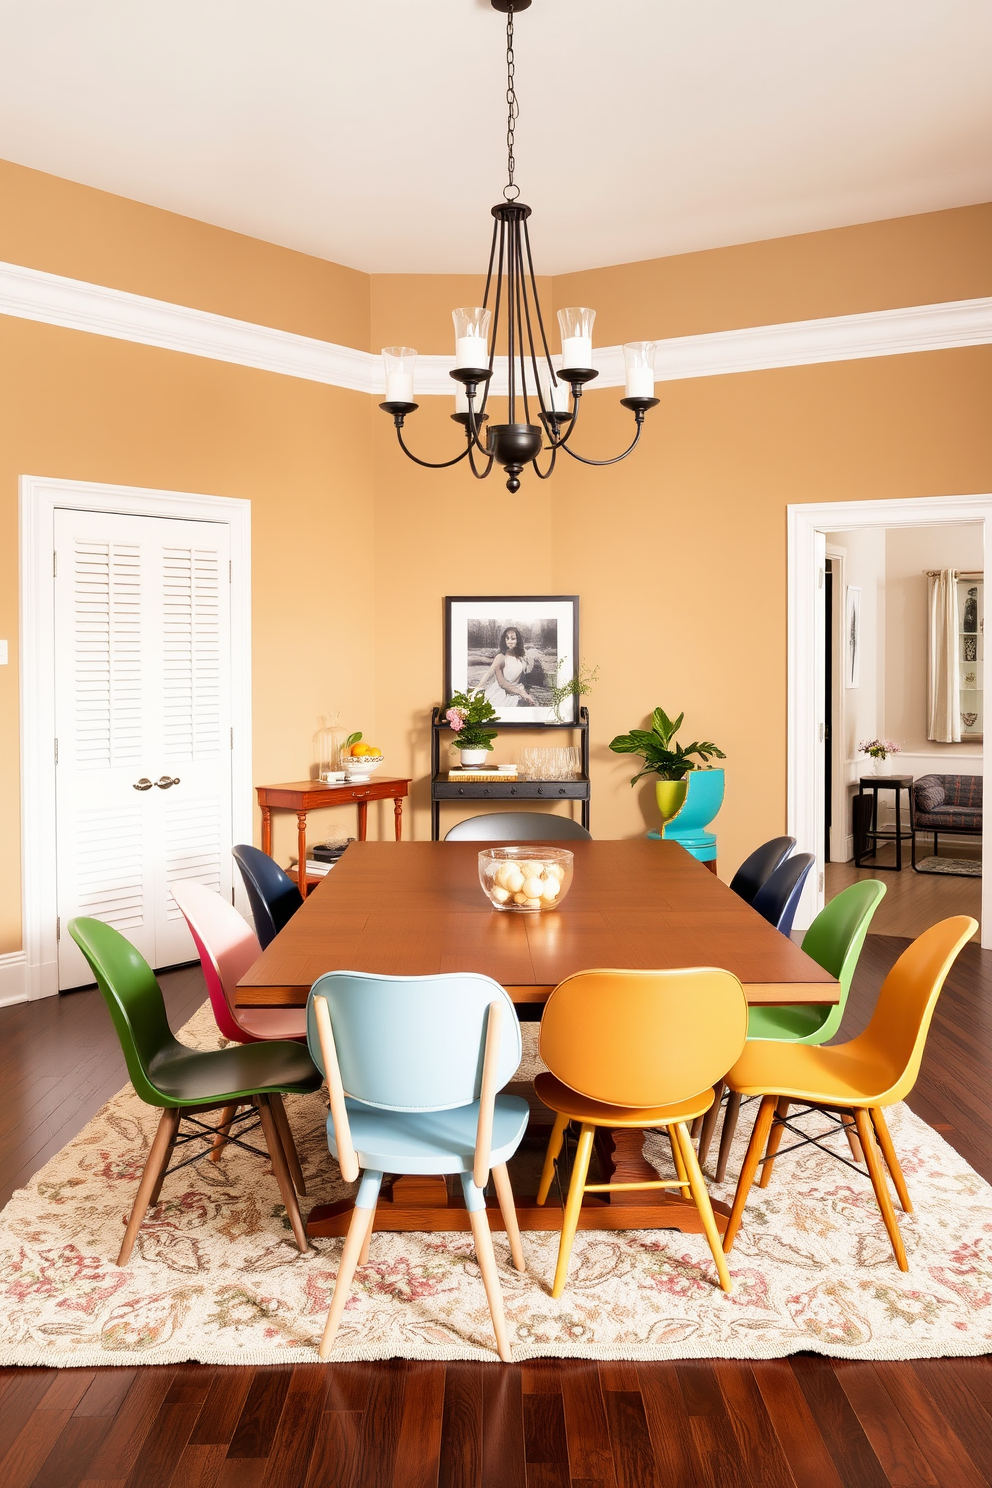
x,y
370,132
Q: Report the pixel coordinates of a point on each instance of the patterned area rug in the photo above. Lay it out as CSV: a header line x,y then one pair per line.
x,y
215,1276
957,867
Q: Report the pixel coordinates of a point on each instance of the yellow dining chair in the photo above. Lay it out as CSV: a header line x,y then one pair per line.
x,y
638,1049
876,1069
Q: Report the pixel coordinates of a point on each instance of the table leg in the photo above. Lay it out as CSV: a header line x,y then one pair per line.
x,y
424,1203
363,819
301,848
398,817
267,830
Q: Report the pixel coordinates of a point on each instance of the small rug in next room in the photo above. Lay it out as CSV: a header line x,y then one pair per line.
x,y
215,1275
957,867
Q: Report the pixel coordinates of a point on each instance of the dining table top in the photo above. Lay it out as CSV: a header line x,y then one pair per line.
x,y
417,908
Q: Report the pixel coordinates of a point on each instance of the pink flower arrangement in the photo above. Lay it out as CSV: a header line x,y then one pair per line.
x,y
456,717
878,748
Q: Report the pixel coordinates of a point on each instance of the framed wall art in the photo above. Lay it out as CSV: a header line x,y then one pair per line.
x,y
514,647
852,637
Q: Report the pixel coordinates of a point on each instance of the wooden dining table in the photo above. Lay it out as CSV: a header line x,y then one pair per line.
x,y
417,909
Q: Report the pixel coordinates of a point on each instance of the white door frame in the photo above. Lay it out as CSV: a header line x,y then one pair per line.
x,y
807,523
39,499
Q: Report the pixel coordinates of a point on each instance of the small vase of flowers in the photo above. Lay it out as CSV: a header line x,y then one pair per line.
x,y
878,751
467,714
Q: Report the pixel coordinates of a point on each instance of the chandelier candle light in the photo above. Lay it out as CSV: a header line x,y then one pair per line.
x,y
540,417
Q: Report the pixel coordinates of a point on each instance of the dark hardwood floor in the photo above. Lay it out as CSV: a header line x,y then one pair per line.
x,y
802,1422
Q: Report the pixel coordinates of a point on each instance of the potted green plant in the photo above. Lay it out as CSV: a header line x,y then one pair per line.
x,y
666,758
467,714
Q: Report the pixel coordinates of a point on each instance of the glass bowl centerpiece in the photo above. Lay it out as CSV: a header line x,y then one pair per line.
x,y
531,879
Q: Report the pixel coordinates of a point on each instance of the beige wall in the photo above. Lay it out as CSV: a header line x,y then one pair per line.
x,y
678,553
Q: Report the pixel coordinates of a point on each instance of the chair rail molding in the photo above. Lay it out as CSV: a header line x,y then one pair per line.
x,y
75,304
40,497
807,526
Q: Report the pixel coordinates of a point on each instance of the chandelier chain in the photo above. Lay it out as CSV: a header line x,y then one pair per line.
x,y
511,190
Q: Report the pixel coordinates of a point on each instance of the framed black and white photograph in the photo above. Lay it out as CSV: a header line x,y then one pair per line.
x,y
515,648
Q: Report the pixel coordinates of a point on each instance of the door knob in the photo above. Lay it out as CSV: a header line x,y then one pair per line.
x,y
164,781
143,784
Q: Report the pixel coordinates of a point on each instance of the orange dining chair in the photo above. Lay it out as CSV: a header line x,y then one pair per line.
x,y
638,1049
876,1069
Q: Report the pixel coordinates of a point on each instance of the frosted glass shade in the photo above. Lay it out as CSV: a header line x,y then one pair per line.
x,y
576,325
471,336
400,362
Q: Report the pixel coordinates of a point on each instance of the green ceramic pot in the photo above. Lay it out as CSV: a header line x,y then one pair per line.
x,y
670,795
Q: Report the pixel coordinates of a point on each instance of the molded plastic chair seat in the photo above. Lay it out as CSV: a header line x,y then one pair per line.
x,y
869,1072
797,1021
431,1141
760,865
188,1076
778,898
272,894
567,1102
517,826
274,1023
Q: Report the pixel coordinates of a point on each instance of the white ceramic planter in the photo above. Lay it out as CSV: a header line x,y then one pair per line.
x,y
473,758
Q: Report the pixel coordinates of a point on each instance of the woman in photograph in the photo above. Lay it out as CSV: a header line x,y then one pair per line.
x,y
501,681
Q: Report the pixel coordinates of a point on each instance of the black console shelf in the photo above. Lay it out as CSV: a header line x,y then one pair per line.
x,y
443,789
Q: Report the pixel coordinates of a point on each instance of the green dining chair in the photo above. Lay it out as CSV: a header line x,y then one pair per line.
x,y
834,941
186,1083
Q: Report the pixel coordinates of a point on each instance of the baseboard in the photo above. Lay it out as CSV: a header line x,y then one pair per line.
x,y
13,978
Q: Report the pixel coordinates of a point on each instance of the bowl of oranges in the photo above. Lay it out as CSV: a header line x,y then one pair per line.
x,y
359,759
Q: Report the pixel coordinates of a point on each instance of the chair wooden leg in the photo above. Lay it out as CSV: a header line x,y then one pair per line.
x,y
361,1224
879,1183
508,1209
223,1126
279,1168
363,1259
751,1160
774,1139
155,1194
554,1148
730,1116
696,1128
709,1122
678,1160
573,1204
851,1129
891,1161
151,1178
701,1197
484,1254
288,1144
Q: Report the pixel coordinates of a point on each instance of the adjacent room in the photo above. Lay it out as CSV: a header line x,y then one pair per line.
x,y
495,964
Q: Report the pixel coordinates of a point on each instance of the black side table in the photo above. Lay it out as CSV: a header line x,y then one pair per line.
x,y
872,836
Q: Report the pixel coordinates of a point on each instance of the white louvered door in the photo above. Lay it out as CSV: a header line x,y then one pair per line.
x,y
142,699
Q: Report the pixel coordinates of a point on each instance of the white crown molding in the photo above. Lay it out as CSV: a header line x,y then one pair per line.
x,y
31,294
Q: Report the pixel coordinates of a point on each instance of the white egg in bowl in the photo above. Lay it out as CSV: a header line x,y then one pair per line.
x,y
528,879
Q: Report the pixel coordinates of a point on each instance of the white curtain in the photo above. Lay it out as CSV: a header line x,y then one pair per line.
x,y
943,673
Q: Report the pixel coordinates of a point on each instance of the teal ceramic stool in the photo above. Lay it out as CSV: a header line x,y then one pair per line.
x,y
703,799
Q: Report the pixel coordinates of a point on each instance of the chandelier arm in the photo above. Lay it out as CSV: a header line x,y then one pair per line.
x,y
429,464
511,349
530,336
574,418
521,296
474,429
496,309
537,303
543,474
489,271
479,474
616,458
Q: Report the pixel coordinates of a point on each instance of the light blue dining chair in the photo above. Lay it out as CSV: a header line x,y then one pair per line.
x,y
703,799
414,1066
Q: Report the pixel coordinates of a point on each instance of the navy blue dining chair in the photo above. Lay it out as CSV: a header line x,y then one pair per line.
x,y
778,898
272,894
757,868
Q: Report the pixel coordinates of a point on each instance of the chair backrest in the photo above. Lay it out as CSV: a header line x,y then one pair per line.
x,y
836,937
644,1038
413,1043
778,898
894,1039
703,799
228,947
516,826
272,894
134,997
756,869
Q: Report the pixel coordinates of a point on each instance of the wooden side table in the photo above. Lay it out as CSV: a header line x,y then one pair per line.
x,y
302,796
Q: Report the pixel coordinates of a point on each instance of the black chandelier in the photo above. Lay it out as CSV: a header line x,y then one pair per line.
x,y
532,378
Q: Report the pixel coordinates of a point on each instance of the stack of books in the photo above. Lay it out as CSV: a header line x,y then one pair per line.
x,y
483,772
321,859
